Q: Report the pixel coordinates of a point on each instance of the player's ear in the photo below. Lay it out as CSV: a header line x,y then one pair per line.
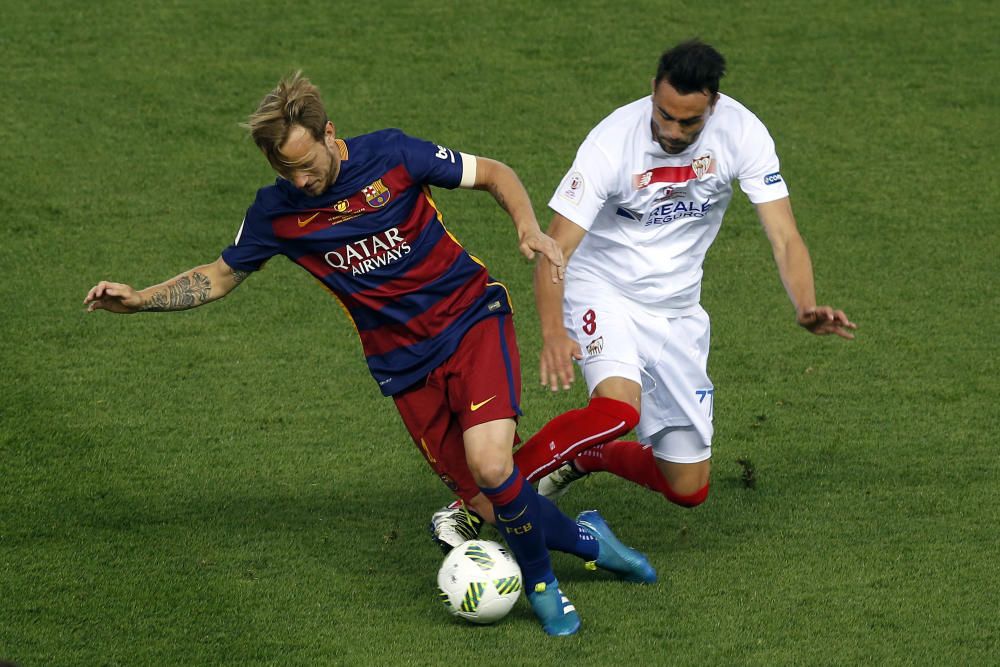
x,y
330,135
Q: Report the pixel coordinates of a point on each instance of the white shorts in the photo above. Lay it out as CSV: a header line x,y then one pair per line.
x,y
666,355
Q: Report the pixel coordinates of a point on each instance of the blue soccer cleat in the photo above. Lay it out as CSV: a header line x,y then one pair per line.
x,y
614,556
554,610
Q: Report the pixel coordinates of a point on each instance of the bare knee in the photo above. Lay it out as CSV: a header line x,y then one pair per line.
x,y
621,389
488,451
490,471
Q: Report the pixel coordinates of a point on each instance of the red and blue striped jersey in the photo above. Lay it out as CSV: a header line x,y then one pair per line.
x,y
376,240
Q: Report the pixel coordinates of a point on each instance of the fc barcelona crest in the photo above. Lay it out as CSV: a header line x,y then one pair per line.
x,y
376,194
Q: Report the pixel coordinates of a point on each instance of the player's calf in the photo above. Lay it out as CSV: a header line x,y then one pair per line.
x,y
560,440
684,484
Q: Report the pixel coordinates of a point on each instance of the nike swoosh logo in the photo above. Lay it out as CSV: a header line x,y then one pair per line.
x,y
476,406
303,223
513,518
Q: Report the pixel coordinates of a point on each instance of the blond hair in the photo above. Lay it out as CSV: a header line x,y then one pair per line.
x,y
294,101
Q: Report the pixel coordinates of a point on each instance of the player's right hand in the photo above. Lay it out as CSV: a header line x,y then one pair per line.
x,y
824,320
556,367
539,242
116,297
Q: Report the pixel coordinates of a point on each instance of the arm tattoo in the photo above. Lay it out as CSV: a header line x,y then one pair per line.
x,y
155,303
240,276
495,191
183,293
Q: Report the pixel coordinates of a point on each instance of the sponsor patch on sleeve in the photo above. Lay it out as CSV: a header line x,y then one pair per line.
x,y
571,189
771,179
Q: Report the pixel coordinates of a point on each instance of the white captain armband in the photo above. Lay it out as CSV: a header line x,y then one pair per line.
x,y
468,170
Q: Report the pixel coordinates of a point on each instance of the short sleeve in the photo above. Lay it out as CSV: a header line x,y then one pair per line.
x,y
430,163
759,171
255,243
586,187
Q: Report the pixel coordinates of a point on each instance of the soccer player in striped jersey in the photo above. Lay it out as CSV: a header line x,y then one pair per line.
x,y
436,328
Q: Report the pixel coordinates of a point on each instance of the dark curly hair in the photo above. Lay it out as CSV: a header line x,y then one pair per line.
x,y
692,67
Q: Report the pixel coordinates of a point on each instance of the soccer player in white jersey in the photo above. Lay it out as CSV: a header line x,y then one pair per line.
x,y
636,214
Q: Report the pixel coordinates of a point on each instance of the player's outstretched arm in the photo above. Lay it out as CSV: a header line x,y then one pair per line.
x,y
190,289
795,268
558,349
500,181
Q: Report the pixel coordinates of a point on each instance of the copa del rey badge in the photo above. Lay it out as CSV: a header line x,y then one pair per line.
x,y
572,187
376,194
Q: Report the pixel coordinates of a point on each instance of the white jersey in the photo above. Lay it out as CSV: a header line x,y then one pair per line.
x,y
651,216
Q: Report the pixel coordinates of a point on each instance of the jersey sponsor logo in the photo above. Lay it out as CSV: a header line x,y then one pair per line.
x,y
475,406
771,179
572,187
595,346
376,194
669,192
303,223
663,175
626,213
364,255
677,210
677,176
444,153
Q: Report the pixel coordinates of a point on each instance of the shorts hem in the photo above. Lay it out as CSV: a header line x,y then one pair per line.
x,y
466,422
685,459
628,370
667,423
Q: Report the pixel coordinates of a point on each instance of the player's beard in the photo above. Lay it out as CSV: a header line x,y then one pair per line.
x,y
672,148
332,173
323,184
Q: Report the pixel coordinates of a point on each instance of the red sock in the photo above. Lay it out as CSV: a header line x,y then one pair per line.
x,y
560,440
634,461
626,458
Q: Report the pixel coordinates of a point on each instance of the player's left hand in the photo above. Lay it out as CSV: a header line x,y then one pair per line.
x,y
823,320
541,242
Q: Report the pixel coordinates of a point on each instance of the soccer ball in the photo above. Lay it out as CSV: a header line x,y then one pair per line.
x,y
479,581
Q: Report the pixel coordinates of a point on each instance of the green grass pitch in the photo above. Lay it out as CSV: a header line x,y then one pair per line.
x,y
226,486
